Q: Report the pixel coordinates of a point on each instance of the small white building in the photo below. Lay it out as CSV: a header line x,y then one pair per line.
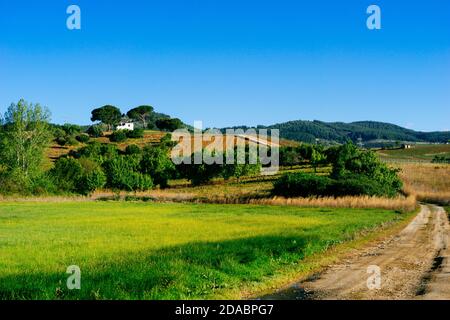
x,y
125,126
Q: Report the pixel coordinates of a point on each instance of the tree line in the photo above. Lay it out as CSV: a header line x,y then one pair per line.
x,y
144,116
354,172
26,132
311,131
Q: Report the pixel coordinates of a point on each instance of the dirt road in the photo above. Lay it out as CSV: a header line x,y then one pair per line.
x,y
414,264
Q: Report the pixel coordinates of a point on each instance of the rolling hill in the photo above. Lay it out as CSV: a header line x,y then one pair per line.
x,y
339,132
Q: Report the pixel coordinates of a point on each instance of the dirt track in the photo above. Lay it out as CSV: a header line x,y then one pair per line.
x,y
414,264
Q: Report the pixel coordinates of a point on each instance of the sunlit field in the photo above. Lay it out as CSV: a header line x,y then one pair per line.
x,y
136,250
429,182
423,153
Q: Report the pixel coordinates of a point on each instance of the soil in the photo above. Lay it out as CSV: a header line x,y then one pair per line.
x,y
414,264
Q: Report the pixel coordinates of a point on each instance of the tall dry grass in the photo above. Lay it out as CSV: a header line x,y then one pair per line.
x,y
428,182
44,198
400,203
422,181
404,204
258,193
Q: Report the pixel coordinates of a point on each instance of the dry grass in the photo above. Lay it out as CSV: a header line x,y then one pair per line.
x,y
403,204
54,199
429,182
255,190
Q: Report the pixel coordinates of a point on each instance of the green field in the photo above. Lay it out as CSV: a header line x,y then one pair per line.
x,y
131,250
417,152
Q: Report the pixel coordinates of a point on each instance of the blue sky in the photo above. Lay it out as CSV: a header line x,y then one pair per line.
x,y
231,62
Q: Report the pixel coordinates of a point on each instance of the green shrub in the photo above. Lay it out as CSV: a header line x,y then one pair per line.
x,y
62,141
66,173
348,160
169,124
118,136
91,181
135,198
83,138
306,185
359,185
132,149
440,159
43,184
135,134
108,151
58,132
99,152
71,141
66,141
302,185
80,176
122,174
71,129
156,162
91,150
95,131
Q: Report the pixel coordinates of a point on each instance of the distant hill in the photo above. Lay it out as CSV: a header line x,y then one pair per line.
x,y
339,132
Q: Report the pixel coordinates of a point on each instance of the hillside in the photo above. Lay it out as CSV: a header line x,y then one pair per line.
x,y
418,153
55,151
309,131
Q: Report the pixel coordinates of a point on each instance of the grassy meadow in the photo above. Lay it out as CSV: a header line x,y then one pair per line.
x,y
419,153
136,250
427,181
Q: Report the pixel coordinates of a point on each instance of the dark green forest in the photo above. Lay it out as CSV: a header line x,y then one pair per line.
x,y
339,132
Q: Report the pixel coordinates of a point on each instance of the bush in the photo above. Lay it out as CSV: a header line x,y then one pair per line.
x,y
132,149
349,161
71,141
92,149
91,181
43,184
169,124
359,185
58,132
80,176
66,173
122,173
83,138
62,141
306,185
98,152
156,162
108,151
440,159
71,129
66,141
135,134
302,185
95,131
118,136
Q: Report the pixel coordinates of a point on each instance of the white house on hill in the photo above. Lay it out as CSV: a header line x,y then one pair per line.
x,y
125,126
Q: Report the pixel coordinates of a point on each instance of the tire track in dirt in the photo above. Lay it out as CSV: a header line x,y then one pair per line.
x,y
413,264
436,284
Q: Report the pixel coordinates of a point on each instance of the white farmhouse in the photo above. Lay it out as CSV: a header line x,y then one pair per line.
x,y
125,126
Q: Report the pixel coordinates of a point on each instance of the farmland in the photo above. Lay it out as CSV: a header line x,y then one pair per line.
x,y
55,151
418,153
135,250
166,231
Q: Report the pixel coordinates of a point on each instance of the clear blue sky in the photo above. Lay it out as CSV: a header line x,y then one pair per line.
x,y
230,62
